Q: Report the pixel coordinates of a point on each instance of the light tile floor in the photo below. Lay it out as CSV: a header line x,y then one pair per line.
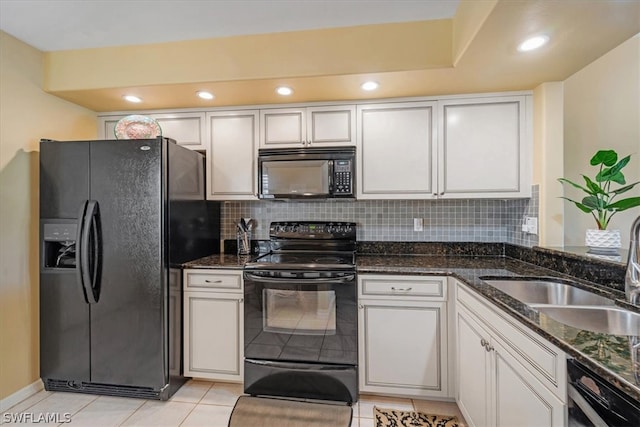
x,y
197,403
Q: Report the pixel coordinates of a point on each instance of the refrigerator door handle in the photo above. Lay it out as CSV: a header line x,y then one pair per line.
x,y
88,254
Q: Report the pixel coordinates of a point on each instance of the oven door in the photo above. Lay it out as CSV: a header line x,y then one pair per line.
x,y
301,334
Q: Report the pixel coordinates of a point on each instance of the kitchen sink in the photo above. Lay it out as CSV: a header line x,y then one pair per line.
x,y
607,320
547,292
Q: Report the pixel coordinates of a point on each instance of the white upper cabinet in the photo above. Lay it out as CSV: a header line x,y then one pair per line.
x,y
453,147
186,128
307,127
396,150
484,148
476,147
231,155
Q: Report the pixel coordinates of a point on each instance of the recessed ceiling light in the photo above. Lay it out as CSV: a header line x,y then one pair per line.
x,y
132,98
533,43
285,91
205,95
369,85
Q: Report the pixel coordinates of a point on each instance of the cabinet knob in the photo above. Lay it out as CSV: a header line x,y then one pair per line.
x,y
484,342
241,300
360,306
441,193
489,348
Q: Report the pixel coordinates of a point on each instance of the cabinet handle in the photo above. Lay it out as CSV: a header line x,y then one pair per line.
x,y
214,281
487,346
393,288
241,300
360,306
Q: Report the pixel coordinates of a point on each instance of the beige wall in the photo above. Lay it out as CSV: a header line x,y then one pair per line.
x,y
26,115
548,160
601,111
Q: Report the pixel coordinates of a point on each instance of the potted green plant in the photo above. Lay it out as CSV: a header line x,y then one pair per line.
x,y
600,200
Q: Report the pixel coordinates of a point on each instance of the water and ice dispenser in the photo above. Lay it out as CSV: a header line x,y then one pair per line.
x,y
59,245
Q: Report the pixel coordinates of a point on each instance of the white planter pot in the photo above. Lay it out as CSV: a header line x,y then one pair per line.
x,y
603,241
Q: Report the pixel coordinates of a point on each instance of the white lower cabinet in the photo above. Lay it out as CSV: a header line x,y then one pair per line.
x,y
506,376
213,324
402,342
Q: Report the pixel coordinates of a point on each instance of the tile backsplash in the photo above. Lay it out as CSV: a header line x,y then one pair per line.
x,y
467,220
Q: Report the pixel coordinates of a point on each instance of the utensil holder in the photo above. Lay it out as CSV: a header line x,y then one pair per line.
x,y
244,242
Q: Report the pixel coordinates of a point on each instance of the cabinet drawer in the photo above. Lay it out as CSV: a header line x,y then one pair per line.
x,y
217,280
372,285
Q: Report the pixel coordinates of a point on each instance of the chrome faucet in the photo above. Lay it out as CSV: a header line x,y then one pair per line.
x,y
632,278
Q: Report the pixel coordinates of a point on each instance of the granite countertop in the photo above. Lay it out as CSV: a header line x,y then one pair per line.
x,y
226,261
608,355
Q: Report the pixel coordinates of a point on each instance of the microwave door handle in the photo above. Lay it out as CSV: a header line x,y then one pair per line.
x,y
331,169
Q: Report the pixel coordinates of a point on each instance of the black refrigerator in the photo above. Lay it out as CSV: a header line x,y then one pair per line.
x,y
117,219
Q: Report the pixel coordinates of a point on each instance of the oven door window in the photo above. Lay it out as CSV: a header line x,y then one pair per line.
x,y
296,178
299,312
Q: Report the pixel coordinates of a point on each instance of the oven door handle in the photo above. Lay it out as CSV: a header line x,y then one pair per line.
x,y
319,280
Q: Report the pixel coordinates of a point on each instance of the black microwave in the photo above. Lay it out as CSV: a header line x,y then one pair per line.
x,y
306,173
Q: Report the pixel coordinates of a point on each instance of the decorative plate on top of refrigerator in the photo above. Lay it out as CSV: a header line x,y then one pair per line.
x,y
137,127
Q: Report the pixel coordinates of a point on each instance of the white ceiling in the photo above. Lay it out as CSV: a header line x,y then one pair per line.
x,y
51,25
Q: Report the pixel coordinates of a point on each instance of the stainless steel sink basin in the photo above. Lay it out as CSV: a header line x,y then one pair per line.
x,y
547,292
608,320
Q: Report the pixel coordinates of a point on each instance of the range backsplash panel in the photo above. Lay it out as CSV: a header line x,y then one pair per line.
x,y
468,220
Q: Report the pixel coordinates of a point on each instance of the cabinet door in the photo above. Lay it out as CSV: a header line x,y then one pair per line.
x,y
331,126
283,127
473,369
520,400
484,151
187,129
396,151
213,335
231,163
402,347
107,126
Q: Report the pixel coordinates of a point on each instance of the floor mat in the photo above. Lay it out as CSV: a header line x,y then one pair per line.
x,y
272,412
390,417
